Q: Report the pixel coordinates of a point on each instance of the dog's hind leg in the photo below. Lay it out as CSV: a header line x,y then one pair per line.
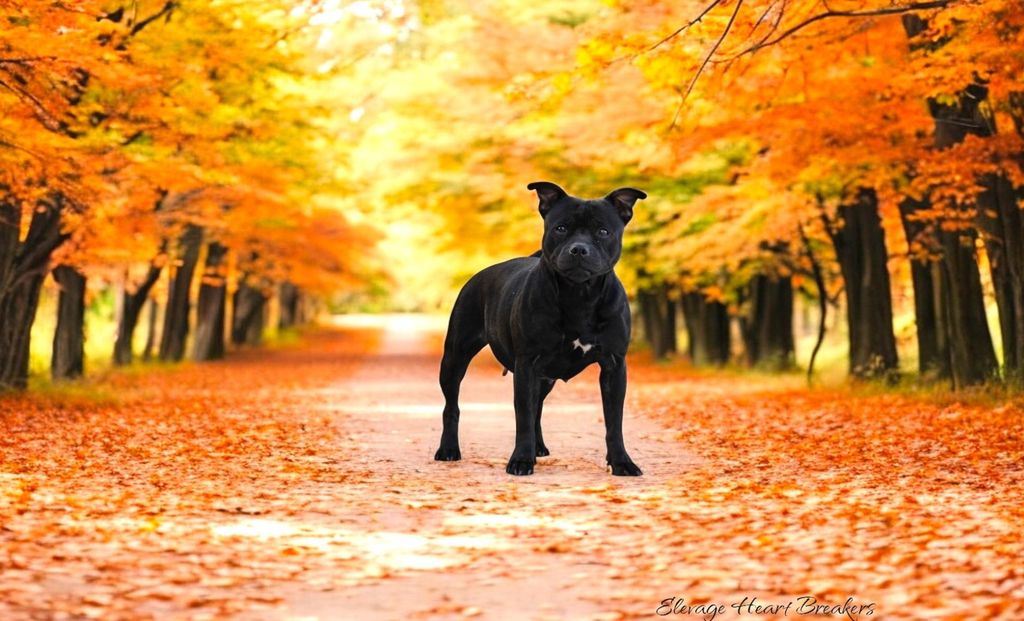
x,y
545,389
464,340
453,368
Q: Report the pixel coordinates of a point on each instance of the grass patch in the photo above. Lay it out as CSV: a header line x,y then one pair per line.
x,y
283,338
992,395
85,391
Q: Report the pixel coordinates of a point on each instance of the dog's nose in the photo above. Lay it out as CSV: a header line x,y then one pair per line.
x,y
579,250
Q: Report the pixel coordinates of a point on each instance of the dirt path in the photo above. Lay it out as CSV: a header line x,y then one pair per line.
x,y
509,547
299,484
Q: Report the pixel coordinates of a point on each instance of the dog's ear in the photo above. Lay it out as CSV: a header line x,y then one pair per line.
x,y
623,200
548,193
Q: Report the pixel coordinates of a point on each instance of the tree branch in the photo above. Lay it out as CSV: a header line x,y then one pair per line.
x,y
24,60
703,65
43,237
772,29
169,6
41,113
893,10
156,266
10,145
830,225
819,282
686,26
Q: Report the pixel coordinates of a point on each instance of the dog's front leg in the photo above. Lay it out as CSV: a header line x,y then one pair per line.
x,y
613,396
526,384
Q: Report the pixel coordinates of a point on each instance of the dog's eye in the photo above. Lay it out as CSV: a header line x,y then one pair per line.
x,y
561,228
602,232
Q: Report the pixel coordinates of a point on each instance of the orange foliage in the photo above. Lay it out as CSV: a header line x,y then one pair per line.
x,y
158,114
824,98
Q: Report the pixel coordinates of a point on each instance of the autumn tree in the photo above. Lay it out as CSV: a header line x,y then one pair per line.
x,y
54,155
778,140
836,106
141,140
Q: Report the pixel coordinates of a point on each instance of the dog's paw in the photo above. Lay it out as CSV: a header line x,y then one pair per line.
x,y
542,451
625,468
519,467
448,454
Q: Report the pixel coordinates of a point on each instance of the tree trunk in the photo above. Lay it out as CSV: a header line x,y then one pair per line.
x,y
179,297
289,298
254,331
210,308
971,353
658,313
860,248
18,308
68,360
768,327
933,360
154,310
972,356
668,311
819,283
1009,199
707,326
131,306
23,267
248,316
696,343
1000,217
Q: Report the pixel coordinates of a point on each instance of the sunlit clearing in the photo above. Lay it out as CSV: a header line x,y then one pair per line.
x,y
258,528
523,520
389,550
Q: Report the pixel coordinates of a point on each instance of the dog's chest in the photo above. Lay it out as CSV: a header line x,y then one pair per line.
x,y
580,345
576,349
566,364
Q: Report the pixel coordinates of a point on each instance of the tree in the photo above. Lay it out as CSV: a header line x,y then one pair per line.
x,y
860,249
104,118
54,154
211,307
23,266
834,109
767,327
68,339
658,314
708,329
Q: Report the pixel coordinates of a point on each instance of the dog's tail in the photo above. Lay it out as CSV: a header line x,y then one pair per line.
x,y
537,254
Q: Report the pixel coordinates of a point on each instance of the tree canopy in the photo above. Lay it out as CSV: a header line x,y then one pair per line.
x,y
384,146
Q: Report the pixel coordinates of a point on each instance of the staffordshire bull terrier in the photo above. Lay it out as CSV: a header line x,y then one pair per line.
x,y
547,317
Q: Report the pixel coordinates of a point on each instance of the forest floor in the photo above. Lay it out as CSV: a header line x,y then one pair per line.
x,y
298,483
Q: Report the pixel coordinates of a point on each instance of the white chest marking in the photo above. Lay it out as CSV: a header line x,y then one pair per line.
x,y
584,346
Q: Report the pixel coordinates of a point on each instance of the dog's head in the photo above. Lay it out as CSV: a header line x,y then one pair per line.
x,y
583,238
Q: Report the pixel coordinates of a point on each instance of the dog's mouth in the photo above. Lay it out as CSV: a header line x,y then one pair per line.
x,y
579,269
578,273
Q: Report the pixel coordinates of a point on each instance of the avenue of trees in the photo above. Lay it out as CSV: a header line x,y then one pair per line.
x,y
202,158
175,152
879,142
821,152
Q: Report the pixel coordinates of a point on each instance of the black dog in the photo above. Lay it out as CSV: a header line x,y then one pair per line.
x,y
548,317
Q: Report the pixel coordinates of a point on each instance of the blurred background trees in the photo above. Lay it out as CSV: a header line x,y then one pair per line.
x,y
195,171
158,154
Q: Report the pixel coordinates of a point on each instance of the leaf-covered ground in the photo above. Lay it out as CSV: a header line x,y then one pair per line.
x,y
299,484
